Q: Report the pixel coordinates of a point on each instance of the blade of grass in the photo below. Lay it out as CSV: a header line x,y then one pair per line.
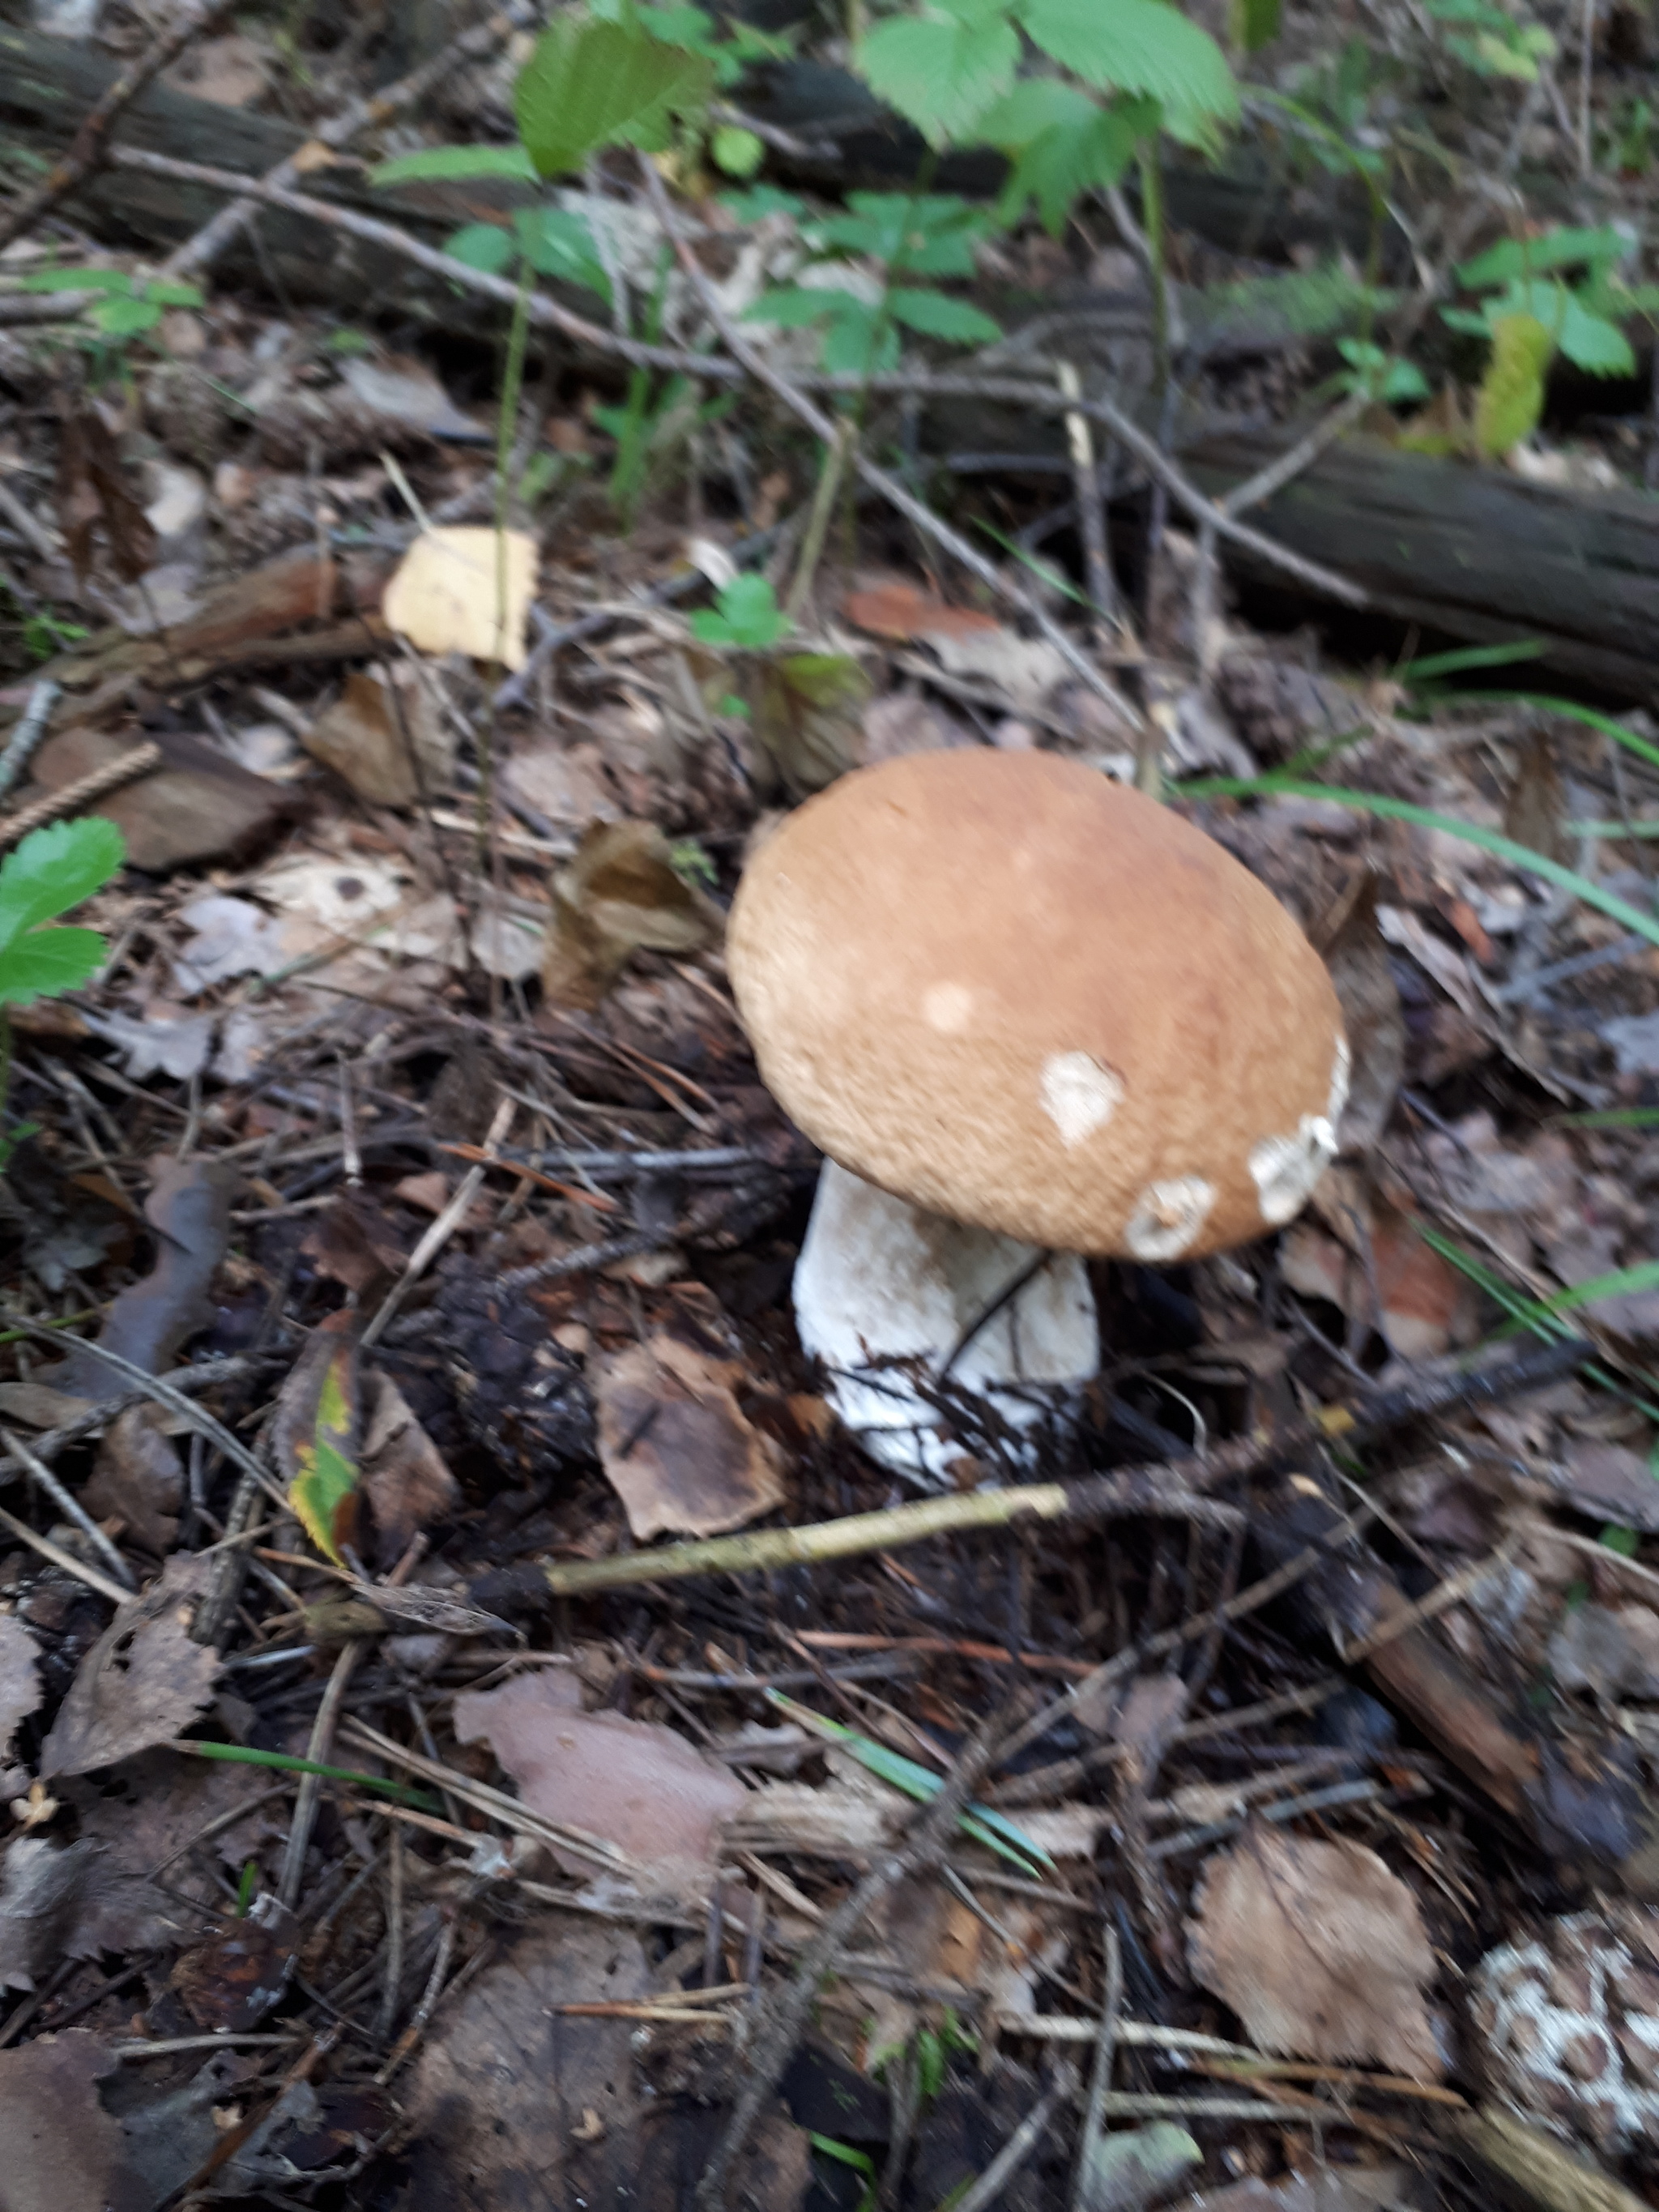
x,y
1415,674
1427,818
242,1754
1612,1117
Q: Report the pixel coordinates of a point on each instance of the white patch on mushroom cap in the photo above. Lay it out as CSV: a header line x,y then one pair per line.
x,y
1341,1068
1078,1095
1285,1169
948,1007
1168,1217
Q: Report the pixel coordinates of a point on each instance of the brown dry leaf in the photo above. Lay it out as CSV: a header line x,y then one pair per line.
x,y
197,806
94,496
675,1446
900,610
807,710
20,1695
386,737
637,1785
41,1885
189,1209
567,785
1370,998
229,1983
351,1242
400,389
1426,1304
231,71
457,591
1319,1949
137,1479
409,1485
60,2151
619,895
1608,1481
1535,810
1025,671
142,1681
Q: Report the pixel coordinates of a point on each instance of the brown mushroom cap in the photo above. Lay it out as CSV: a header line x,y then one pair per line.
x,y
1015,993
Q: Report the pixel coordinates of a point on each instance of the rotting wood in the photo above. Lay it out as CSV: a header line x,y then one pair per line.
x,y
1469,549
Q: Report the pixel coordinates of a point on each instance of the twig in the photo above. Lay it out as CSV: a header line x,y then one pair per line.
x,y
27,731
820,424
97,783
548,314
1091,506
70,1507
441,1230
48,307
199,252
788,2014
1162,1489
89,142
1100,2079
66,1560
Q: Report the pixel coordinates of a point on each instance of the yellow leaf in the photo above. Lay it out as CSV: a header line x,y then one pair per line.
x,y
466,591
1511,395
324,1491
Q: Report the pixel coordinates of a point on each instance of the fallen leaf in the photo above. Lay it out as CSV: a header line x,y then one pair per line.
x,y
385,737
405,1476
137,1481
1634,1041
351,1242
1025,671
619,895
464,590
1131,2168
900,610
142,1681
566,784
60,2151
675,1446
1608,1481
402,390
229,1983
94,496
1535,810
806,709
504,941
40,1893
314,1436
189,1209
1426,1305
1358,960
902,722
178,1045
231,70
638,1785
197,806
20,1696
168,2134
1319,1949
229,937
1329,2189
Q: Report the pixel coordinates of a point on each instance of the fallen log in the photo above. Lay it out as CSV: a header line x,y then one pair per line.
x,y
1469,550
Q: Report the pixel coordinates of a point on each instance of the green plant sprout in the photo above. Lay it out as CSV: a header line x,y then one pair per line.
x,y
745,615
51,871
1491,41
131,306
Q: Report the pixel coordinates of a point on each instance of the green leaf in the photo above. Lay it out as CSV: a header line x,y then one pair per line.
x,y
1624,1542
940,73
1062,144
73,280
590,84
455,164
48,961
323,1489
748,615
737,152
125,319
1140,46
288,1762
1510,400
558,243
484,246
937,316
54,869
1256,23
1531,256
797,307
760,201
1593,343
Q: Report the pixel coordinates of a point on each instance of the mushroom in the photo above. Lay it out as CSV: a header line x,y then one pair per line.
x,y
1027,1014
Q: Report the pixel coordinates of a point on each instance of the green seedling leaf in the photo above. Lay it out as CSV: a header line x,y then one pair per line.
x,y
75,280
736,152
941,70
557,243
1141,46
323,1490
860,2161
47,962
981,1822
746,614
454,165
1531,256
937,316
125,319
486,245
1625,1542
1062,144
591,85
55,869
761,201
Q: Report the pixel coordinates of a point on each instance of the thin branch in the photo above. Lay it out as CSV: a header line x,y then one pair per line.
x,y
546,314
88,145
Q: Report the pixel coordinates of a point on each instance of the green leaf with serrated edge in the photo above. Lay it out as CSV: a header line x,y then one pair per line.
x,y
1062,144
1140,46
484,246
940,75
795,307
935,315
323,1491
54,869
455,164
1510,400
1534,257
48,961
589,85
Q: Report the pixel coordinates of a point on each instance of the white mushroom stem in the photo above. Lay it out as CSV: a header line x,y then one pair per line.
x,y
880,1280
